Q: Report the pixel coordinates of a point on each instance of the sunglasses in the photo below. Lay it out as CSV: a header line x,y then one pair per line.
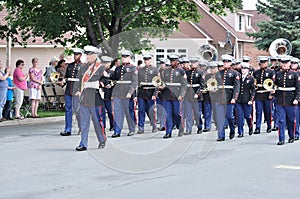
x,y
245,68
125,56
294,62
226,61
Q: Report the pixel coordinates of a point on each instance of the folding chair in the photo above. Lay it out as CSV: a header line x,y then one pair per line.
x,y
60,95
50,97
26,105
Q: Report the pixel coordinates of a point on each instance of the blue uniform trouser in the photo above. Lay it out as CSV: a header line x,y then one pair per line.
x,y
94,113
297,133
207,115
121,108
244,111
193,112
71,104
274,113
261,105
132,111
222,112
173,111
286,116
146,106
161,113
108,108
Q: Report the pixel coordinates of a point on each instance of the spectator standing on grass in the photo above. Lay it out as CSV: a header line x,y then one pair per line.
x,y
20,81
9,96
35,86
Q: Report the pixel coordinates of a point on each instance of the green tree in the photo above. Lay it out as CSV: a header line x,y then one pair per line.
x,y
284,23
102,22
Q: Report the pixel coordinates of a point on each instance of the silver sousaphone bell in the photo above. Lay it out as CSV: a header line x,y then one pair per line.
x,y
280,47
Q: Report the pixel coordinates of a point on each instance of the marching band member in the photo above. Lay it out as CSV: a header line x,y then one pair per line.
x,y
126,84
207,109
193,100
294,67
172,95
287,97
225,97
146,94
263,97
245,100
108,89
71,101
87,89
161,113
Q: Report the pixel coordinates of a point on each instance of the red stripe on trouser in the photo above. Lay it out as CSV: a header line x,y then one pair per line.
x,y
101,123
181,117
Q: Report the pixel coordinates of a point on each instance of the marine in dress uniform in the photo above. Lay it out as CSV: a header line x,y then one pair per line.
x,y
245,100
126,77
193,100
146,94
294,67
263,97
71,101
107,92
225,97
172,95
287,97
91,102
161,113
207,107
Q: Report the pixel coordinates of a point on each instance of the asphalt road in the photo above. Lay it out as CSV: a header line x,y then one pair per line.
x,y
38,163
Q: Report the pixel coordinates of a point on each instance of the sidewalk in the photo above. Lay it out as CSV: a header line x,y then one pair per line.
x,y
28,121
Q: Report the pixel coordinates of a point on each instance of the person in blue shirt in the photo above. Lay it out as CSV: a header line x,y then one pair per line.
x,y
9,97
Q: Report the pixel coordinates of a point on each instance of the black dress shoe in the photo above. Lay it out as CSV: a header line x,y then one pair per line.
x,y
231,134
226,127
291,140
250,131
206,130
111,129
101,145
115,135
81,148
257,131
131,133
167,136
180,132
269,130
220,139
281,142
275,128
162,129
140,132
240,136
188,133
296,138
199,131
154,130
65,133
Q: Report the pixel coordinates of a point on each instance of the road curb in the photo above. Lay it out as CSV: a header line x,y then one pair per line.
x,y
28,121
